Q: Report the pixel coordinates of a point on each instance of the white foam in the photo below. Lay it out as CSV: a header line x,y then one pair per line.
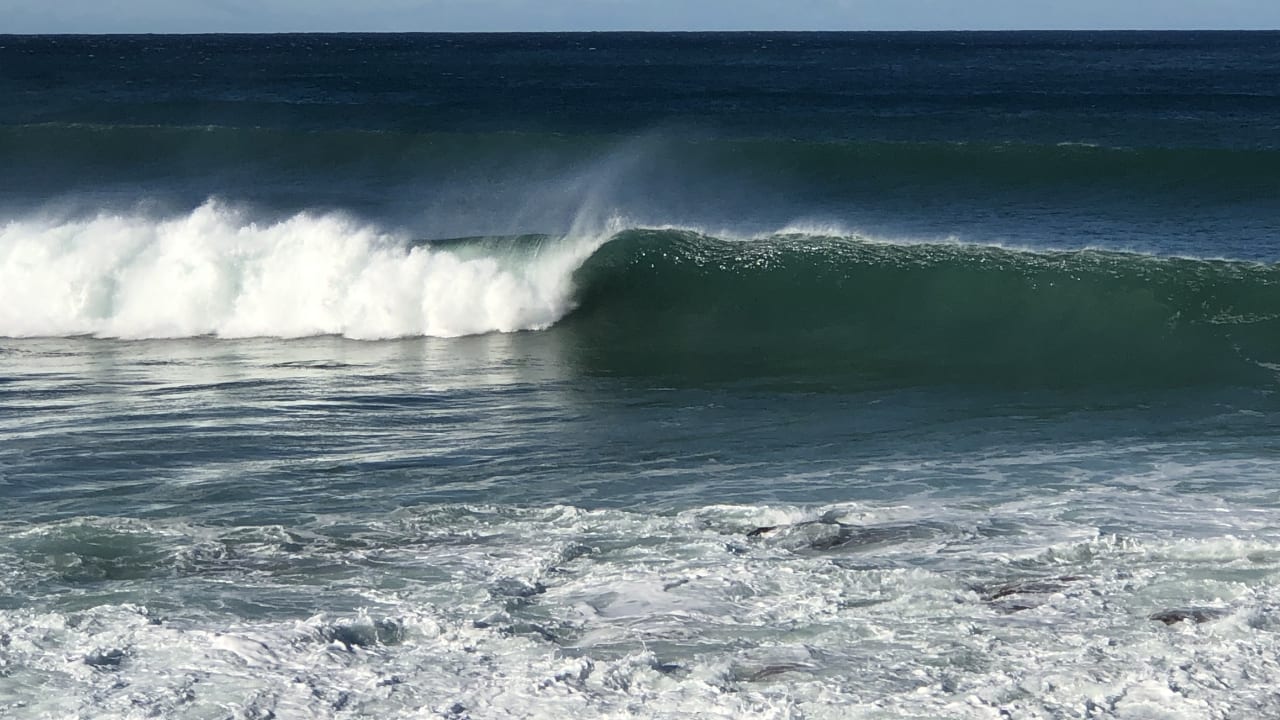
x,y
670,616
217,272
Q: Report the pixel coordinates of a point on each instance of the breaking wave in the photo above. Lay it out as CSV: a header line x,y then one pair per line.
x,y
215,272
658,301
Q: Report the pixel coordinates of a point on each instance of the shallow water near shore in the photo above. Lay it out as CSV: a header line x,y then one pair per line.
x,y
316,527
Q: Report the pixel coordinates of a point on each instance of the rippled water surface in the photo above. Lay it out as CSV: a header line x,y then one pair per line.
x,y
326,527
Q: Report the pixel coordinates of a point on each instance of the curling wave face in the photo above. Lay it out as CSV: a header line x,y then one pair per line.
x,y
845,307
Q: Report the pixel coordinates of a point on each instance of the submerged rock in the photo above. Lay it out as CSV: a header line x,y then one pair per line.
x,y
516,592
1174,616
106,659
353,635
511,587
835,535
1025,594
768,664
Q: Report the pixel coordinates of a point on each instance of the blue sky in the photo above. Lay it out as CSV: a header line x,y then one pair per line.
x,y
41,16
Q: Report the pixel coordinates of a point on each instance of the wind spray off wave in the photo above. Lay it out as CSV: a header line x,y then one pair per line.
x,y
217,272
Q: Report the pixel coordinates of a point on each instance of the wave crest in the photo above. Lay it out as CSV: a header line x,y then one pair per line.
x,y
216,272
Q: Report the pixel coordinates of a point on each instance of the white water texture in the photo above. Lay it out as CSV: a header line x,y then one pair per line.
x,y
564,612
217,272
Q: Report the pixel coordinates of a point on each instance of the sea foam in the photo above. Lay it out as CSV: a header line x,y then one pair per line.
x,y
216,271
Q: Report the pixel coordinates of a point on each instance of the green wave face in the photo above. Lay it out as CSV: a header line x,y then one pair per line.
x,y
679,304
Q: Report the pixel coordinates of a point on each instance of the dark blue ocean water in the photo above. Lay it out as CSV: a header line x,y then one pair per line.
x,y
753,374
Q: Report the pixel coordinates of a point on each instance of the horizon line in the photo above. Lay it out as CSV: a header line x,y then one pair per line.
x,y
647,31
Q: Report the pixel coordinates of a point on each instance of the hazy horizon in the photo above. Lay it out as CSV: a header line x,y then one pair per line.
x,y
621,31
300,16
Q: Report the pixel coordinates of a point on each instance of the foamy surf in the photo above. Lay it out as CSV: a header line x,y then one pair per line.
x,y
1016,609
216,271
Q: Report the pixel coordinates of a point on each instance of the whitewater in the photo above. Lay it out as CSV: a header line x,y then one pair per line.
x,y
214,272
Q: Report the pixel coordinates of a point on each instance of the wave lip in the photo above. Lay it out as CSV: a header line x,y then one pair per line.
x,y
214,272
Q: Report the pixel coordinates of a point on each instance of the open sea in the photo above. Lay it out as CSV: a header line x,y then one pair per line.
x,y
640,375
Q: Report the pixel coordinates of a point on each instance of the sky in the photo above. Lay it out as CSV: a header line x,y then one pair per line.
x,y
183,16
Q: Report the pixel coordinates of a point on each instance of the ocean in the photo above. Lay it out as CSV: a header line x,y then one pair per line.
x,y
744,375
